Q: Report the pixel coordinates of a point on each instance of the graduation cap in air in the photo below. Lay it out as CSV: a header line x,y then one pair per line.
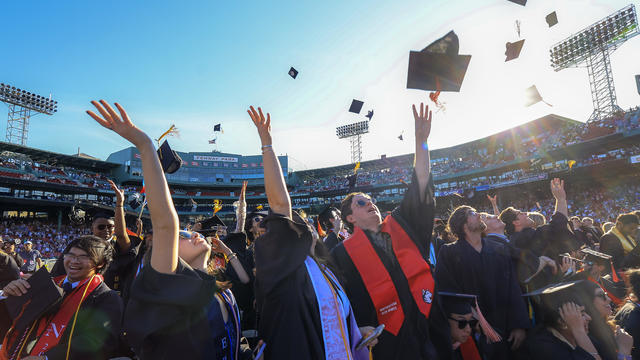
x,y
356,106
638,83
211,225
438,67
552,19
42,295
293,72
513,50
519,2
169,159
400,137
369,115
532,96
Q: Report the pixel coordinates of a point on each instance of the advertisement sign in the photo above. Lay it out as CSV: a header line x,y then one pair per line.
x,y
215,158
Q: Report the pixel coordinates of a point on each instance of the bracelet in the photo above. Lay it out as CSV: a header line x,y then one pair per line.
x,y
231,257
266,146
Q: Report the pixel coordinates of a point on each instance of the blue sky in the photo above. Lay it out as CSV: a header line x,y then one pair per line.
x,y
198,63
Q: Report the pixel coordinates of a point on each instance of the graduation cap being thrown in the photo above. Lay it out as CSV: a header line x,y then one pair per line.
x,y
438,67
513,50
218,127
211,225
169,159
400,136
596,257
293,72
356,106
369,115
552,19
532,96
519,2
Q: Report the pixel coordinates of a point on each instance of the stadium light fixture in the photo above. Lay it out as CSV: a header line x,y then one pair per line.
x,y
354,132
593,46
21,104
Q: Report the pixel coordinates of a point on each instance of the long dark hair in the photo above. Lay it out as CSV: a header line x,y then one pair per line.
x,y
598,327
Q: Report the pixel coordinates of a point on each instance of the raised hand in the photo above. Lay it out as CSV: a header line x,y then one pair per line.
x,y
557,189
263,125
121,124
571,314
217,246
493,199
422,123
119,193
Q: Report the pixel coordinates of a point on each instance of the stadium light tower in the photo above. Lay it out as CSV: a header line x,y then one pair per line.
x,y
354,132
593,46
21,103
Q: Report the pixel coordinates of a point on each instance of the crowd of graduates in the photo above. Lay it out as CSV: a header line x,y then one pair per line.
x,y
351,284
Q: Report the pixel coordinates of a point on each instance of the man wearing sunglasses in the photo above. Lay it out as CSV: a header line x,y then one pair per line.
x,y
384,263
475,265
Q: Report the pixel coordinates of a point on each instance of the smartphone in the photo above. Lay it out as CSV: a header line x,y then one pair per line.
x,y
374,335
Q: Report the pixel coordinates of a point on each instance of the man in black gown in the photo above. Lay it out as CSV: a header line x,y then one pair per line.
x,y
375,266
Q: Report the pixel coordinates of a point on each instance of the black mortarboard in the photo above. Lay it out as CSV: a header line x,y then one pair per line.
x,y
513,50
438,67
595,256
100,214
169,159
42,295
135,200
356,106
293,72
554,295
532,96
400,137
210,225
369,114
453,303
519,2
552,19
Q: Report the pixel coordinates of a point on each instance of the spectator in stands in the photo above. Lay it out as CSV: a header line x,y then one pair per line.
x,y
92,333
10,249
32,258
620,243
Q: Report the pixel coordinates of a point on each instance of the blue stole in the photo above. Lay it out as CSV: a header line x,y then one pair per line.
x,y
339,339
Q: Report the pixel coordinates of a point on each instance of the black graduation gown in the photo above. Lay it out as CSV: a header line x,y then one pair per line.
x,y
9,270
490,274
290,322
244,293
415,338
96,332
541,344
628,317
610,244
332,240
166,317
550,240
525,261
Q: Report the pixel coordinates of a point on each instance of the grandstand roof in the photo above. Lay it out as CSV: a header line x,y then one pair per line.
x,y
531,128
43,156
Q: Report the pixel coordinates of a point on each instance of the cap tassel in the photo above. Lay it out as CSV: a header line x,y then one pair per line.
x,y
320,231
489,332
614,274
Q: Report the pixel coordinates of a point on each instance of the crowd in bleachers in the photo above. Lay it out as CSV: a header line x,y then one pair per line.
x,y
45,235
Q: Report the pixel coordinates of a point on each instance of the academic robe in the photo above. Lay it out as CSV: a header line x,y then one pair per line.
x,y
542,344
290,322
628,317
332,240
166,317
550,240
525,261
491,275
610,244
415,337
96,332
9,270
244,293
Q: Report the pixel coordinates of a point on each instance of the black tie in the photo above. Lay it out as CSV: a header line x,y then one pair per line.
x,y
67,287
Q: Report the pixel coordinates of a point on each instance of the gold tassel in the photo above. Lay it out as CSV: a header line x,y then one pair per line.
x,y
173,131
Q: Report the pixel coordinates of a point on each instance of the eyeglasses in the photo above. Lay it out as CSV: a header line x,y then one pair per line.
x,y
463,323
363,203
104,226
78,258
258,219
189,234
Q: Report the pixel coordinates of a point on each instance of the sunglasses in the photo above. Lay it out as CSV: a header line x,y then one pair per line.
x,y
362,203
104,226
463,323
258,219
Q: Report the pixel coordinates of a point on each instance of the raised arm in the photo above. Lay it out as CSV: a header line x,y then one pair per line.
x,y
124,243
241,211
421,161
557,189
274,184
164,218
494,204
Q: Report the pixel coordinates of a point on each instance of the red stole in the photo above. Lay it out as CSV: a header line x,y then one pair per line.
x,y
469,350
613,298
50,331
377,280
